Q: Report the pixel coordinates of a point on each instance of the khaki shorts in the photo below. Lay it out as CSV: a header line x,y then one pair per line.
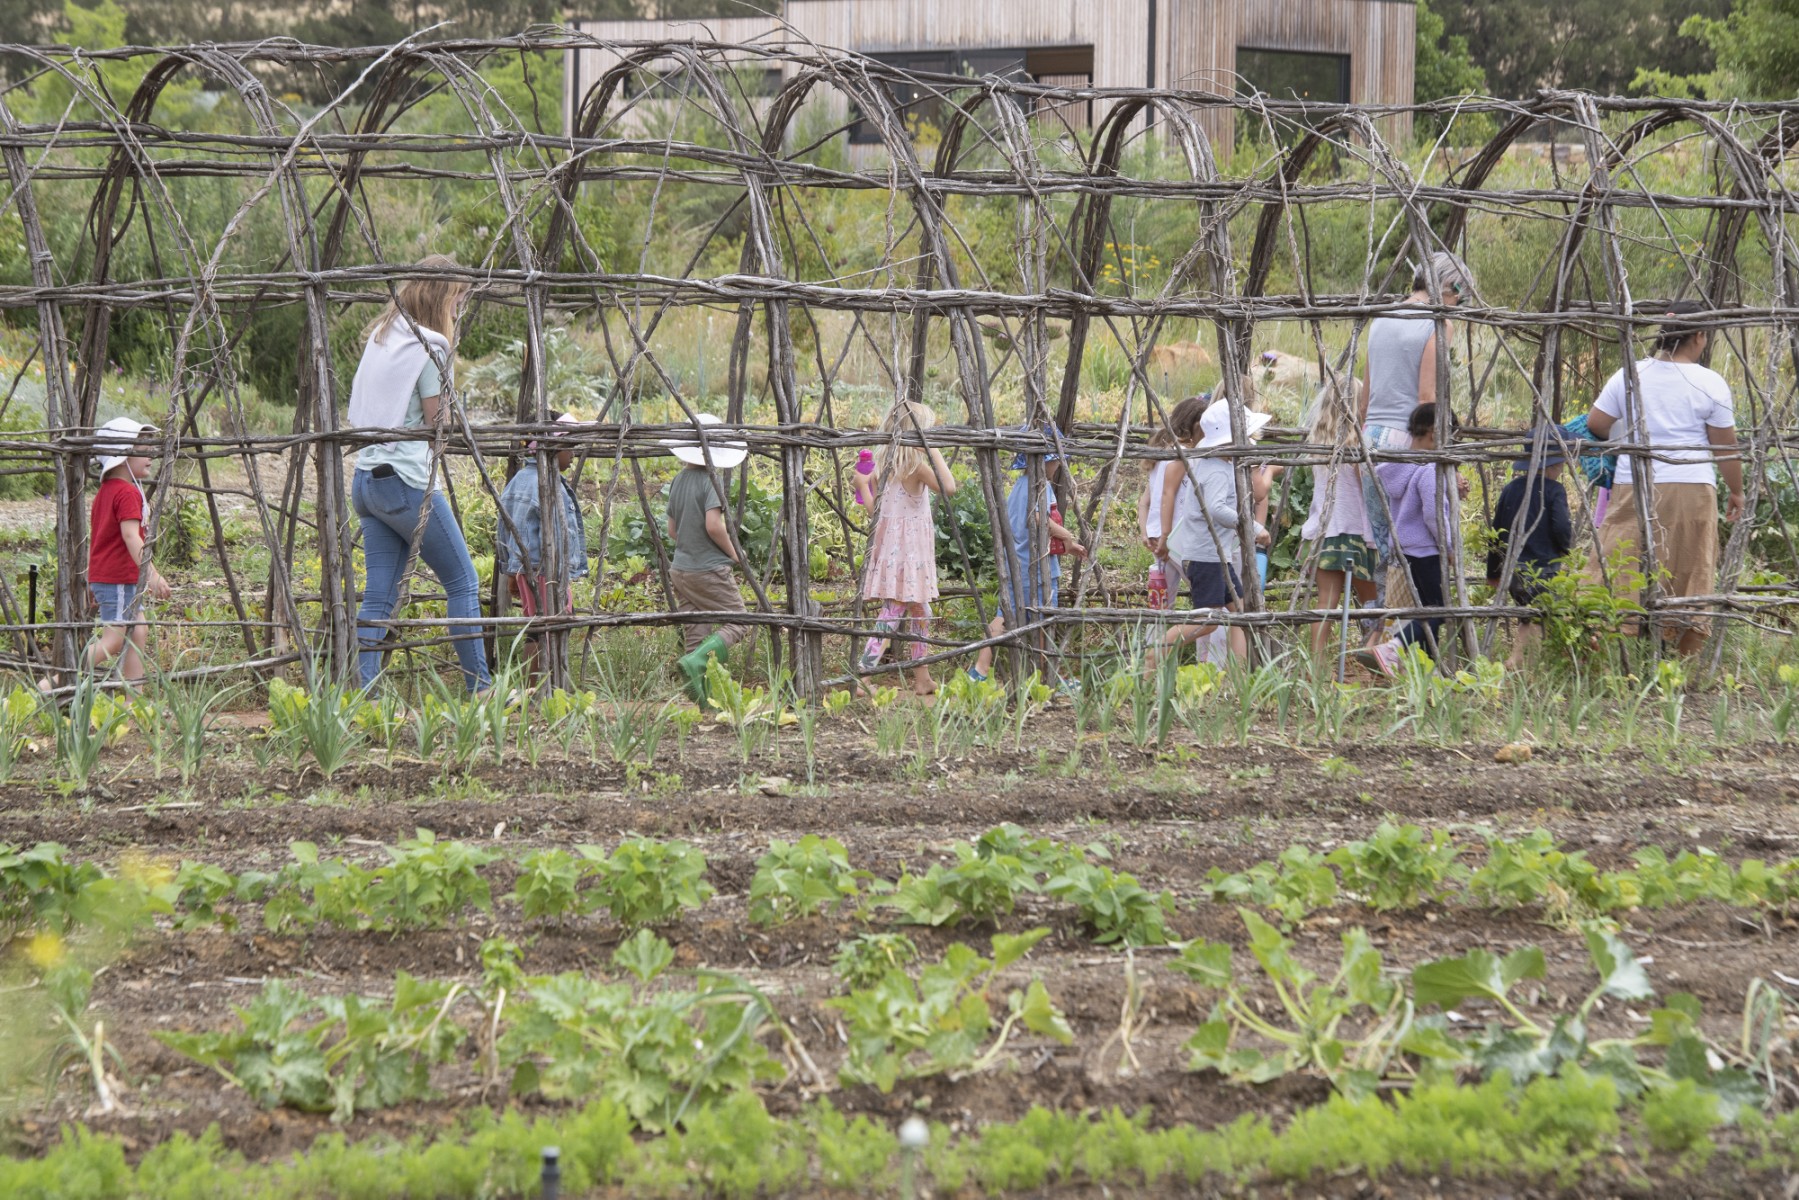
x,y
708,591
1686,539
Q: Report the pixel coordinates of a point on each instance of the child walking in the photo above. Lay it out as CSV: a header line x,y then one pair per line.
x,y
1149,502
523,505
1411,489
901,566
701,574
117,574
1019,519
1532,513
1199,523
1337,524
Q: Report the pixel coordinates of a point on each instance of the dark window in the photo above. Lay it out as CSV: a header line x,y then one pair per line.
x,y
1295,74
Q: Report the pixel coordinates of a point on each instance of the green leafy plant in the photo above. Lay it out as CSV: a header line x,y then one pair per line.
x,y
1307,1031
1293,888
426,884
308,890
1114,906
976,887
657,1052
1782,715
1533,869
93,717
1525,1047
865,958
810,876
547,883
1399,866
945,1023
41,889
200,889
750,711
338,1054
193,709
645,882
323,723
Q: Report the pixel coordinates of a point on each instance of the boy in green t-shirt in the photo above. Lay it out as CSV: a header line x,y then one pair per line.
x,y
702,574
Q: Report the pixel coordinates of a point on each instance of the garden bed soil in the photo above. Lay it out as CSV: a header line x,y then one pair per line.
x,y
1168,823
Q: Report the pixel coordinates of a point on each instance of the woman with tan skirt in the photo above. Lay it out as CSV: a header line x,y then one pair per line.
x,y
1685,410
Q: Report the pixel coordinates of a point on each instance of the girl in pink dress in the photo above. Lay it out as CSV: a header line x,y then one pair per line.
x,y
901,565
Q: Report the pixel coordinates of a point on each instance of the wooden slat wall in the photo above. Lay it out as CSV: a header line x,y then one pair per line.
x,y
1197,39
1378,35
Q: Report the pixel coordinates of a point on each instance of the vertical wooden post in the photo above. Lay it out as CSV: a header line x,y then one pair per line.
x,y
71,519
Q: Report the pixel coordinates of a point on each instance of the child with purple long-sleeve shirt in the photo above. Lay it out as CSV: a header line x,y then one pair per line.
x,y
1412,496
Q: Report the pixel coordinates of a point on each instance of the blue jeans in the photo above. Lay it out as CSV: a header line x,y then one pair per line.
x,y
119,603
389,508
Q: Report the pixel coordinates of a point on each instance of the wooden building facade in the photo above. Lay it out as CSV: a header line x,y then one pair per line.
x,y
1342,51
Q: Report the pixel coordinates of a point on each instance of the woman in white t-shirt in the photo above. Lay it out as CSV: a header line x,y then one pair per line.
x,y
1688,423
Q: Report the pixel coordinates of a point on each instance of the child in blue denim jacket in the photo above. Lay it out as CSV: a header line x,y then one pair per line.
x,y
521,502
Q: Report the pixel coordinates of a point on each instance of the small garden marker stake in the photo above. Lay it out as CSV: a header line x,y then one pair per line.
x,y
551,1179
914,1136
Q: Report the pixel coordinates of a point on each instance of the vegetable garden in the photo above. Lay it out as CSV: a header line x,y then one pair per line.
x,y
1265,927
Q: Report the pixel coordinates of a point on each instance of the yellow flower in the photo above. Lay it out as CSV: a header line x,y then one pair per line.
x,y
45,950
146,872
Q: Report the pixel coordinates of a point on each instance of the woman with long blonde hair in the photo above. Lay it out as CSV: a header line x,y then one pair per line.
x,y
901,565
403,382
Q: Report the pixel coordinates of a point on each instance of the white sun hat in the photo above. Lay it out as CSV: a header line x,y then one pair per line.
x,y
121,434
725,454
1215,424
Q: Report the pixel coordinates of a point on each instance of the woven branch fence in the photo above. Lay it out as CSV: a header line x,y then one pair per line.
x,y
996,261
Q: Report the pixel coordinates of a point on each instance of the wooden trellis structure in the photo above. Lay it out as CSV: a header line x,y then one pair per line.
x,y
928,296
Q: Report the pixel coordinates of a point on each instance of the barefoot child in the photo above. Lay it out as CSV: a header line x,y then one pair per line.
x,y
701,573
1532,513
1337,525
116,570
522,503
901,566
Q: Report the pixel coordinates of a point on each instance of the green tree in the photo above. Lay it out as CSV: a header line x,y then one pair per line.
x,y
1756,48
100,28
1599,45
1442,67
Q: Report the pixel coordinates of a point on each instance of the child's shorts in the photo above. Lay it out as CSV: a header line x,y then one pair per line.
x,y
120,603
1212,585
1349,552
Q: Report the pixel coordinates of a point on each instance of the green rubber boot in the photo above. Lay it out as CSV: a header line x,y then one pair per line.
x,y
692,665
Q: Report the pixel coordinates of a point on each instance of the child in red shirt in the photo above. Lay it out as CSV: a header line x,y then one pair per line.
x,y
116,550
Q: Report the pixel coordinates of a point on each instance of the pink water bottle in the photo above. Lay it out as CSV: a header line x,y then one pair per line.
x,y
1158,586
865,465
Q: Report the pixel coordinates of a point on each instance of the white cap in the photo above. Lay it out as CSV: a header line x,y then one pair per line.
x,y
122,444
725,454
1215,424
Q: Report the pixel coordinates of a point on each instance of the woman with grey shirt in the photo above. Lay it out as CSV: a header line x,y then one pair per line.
x,y
1400,374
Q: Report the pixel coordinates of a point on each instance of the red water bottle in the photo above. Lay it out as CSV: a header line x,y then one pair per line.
x,y
1158,585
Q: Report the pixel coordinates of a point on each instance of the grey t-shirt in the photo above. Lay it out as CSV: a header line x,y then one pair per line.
x,y
1395,352
689,496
